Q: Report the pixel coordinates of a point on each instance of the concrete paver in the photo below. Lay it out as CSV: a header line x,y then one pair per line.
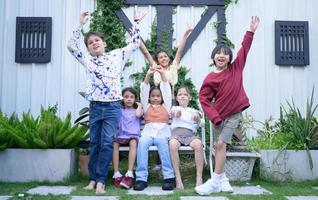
x,y
250,190
302,197
153,190
202,198
4,197
94,198
54,190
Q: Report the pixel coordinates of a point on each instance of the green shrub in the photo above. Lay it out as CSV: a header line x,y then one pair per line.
x,y
293,130
43,132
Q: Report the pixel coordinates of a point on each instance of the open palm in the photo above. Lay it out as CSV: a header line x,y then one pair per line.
x,y
254,23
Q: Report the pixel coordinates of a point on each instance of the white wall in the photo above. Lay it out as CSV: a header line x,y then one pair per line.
x,y
267,84
28,86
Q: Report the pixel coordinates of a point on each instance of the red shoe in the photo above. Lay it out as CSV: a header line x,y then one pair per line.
x,y
127,182
117,181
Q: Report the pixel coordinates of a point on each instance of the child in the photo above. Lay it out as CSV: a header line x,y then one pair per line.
x,y
162,59
129,133
224,87
170,69
183,129
103,90
156,130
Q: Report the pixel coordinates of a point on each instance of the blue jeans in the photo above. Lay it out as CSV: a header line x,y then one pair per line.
x,y
142,156
103,122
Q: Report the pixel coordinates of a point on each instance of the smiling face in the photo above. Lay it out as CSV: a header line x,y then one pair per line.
x,y
221,56
221,60
155,97
95,45
129,99
183,97
163,59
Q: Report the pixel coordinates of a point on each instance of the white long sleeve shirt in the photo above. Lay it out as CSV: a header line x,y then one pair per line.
x,y
104,71
186,119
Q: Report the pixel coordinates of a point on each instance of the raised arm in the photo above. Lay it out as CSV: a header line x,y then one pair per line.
x,y
73,44
145,88
146,53
165,89
149,73
182,44
246,44
135,38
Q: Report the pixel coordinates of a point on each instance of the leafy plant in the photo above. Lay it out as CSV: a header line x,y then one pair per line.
x,y
45,131
293,130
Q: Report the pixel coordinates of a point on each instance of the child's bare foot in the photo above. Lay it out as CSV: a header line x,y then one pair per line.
x,y
100,188
179,185
90,186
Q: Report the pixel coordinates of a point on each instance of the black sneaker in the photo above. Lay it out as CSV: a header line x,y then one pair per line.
x,y
169,184
140,185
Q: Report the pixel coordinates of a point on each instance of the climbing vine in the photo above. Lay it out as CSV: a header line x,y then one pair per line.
x,y
105,21
224,39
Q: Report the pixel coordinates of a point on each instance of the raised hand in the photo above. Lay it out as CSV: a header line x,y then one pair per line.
x,y
84,17
138,16
151,70
159,69
254,23
189,28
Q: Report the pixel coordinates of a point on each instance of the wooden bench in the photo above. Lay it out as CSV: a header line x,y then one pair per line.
x,y
182,149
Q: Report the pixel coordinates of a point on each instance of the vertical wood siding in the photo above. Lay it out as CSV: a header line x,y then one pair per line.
x,y
28,86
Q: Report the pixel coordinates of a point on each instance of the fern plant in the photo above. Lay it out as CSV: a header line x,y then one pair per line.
x,y
43,132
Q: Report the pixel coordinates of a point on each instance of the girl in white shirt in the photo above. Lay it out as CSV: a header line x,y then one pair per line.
x,y
185,122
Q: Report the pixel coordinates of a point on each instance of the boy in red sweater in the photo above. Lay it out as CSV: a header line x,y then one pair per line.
x,y
223,99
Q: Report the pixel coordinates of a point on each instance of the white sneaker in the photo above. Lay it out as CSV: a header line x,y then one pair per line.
x,y
207,188
225,185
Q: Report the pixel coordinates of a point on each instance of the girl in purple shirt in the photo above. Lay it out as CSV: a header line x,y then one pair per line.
x,y
128,134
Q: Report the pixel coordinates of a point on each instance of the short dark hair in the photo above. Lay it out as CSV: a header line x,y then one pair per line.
x,y
133,91
222,48
90,33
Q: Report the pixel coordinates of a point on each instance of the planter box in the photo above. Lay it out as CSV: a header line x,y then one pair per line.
x,y
288,165
24,165
239,165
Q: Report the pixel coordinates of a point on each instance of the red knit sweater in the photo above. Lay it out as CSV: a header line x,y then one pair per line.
x,y
222,94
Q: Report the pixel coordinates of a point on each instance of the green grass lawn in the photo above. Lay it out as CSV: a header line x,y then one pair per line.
x,y
279,190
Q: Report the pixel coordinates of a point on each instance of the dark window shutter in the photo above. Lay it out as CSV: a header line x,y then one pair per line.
x,y
33,39
291,43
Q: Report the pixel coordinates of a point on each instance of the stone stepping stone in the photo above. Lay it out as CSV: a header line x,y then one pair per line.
x,y
302,197
4,197
202,198
153,190
94,198
250,190
316,188
54,190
